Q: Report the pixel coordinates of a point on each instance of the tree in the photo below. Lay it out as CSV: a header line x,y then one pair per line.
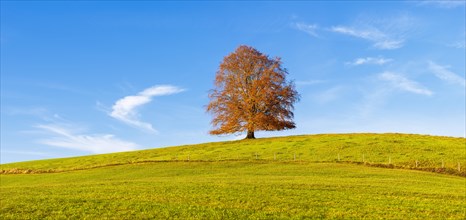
x,y
251,94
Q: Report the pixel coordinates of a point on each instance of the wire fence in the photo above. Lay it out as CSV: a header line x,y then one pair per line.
x,y
438,166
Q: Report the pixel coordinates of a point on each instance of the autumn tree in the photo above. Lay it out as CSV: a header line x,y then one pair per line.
x,y
251,94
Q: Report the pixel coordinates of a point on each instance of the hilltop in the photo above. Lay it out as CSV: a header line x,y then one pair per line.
x,y
411,151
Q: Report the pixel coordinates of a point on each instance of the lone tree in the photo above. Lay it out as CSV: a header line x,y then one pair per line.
x,y
251,94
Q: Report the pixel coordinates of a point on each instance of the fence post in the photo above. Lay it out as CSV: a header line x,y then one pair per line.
x,y
256,155
363,159
459,167
417,162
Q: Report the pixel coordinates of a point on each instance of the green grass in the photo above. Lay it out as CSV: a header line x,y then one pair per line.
x,y
401,150
225,181
235,190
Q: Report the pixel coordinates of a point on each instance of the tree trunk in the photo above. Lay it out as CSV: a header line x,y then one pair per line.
x,y
250,135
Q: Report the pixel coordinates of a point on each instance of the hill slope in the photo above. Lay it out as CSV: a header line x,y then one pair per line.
x,y
400,150
225,180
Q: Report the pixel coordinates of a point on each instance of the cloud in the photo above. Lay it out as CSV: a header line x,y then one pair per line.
x,y
365,34
444,74
400,82
386,33
95,143
369,60
380,39
388,44
125,109
308,28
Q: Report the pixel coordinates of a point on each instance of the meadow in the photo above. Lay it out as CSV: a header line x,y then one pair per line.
x,y
393,150
233,190
272,178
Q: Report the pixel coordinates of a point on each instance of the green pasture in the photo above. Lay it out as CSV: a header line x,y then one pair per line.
x,y
233,190
401,150
296,177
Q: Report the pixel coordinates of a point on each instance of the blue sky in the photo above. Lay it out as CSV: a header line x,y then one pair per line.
x,y
81,78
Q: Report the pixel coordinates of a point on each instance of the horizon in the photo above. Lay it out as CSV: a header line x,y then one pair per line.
x,y
83,78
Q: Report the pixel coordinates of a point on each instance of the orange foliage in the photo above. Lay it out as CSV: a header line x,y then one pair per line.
x,y
251,94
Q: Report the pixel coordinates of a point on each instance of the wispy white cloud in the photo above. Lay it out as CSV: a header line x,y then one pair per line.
x,y
310,29
380,39
400,82
365,34
443,73
64,137
389,44
443,3
383,32
369,60
125,109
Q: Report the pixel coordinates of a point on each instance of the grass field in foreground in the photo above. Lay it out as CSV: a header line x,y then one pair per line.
x,y
233,190
402,150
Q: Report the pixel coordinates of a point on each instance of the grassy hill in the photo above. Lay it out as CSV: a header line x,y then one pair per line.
x,y
399,150
286,177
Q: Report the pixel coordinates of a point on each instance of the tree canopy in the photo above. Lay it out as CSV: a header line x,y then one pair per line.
x,y
251,94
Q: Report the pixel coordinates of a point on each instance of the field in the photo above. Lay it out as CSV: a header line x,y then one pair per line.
x,y
288,177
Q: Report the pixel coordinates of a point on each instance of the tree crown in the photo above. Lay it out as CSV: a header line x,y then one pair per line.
x,y
251,94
